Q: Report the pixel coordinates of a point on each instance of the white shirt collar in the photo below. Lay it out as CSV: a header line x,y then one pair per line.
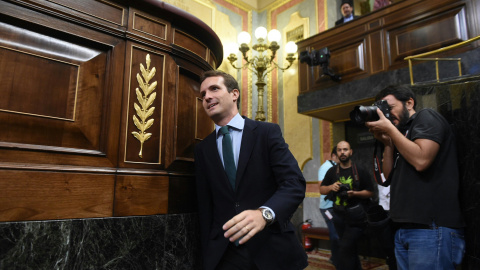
x,y
237,123
347,19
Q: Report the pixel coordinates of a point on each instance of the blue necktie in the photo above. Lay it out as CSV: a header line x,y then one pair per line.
x,y
228,159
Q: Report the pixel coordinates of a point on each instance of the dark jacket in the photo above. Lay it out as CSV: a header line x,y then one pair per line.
x,y
341,20
267,175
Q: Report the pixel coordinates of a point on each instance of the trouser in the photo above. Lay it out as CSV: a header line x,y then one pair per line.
x,y
384,233
334,239
387,243
349,236
236,258
431,248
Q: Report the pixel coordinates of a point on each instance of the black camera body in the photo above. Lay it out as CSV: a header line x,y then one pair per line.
x,y
316,57
320,57
343,191
362,114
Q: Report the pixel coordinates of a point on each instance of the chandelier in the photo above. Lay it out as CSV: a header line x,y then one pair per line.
x,y
262,62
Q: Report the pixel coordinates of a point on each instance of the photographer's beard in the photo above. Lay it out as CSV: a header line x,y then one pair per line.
x,y
344,160
403,120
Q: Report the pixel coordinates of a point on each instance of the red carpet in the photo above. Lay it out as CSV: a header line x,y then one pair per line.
x,y
318,259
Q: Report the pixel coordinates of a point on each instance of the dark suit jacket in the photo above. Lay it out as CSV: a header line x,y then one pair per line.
x,y
341,20
267,175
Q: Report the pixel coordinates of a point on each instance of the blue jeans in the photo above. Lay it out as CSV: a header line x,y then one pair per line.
x,y
334,239
438,248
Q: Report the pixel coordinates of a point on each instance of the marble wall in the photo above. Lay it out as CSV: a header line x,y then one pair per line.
x,y
143,242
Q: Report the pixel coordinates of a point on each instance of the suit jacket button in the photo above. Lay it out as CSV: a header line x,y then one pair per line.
x,y
237,204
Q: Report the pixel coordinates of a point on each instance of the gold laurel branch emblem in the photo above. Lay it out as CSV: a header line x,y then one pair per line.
x,y
145,98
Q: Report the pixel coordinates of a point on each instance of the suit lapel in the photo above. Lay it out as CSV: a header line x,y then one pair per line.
x,y
214,158
246,149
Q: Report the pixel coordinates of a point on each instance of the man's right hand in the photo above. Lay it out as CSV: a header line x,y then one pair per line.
x,y
244,226
381,128
335,186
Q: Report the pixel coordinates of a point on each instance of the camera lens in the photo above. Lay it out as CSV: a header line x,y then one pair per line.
x,y
362,114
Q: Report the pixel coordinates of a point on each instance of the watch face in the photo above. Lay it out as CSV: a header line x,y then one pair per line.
x,y
267,214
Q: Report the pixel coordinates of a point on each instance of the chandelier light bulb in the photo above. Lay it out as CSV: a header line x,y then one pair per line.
x,y
261,32
291,47
274,35
244,37
231,47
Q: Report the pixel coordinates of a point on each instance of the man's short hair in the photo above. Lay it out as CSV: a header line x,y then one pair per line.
x,y
334,151
346,2
228,80
400,92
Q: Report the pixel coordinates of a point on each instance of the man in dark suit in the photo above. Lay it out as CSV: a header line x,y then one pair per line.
x,y
245,221
347,13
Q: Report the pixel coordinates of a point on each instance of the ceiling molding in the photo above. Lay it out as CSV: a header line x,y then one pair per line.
x,y
260,5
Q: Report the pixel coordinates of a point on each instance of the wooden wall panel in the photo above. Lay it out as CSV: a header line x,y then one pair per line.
x,y
101,9
73,77
54,93
55,83
150,26
36,195
150,151
146,28
181,199
190,43
376,52
212,60
193,123
433,33
307,81
203,124
141,195
350,60
375,24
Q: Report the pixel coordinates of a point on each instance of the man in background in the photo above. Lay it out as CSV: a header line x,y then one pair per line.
x,y
346,8
350,188
326,207
248,187
420,165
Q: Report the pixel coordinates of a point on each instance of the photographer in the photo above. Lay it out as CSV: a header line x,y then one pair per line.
x,y
420,164
350,188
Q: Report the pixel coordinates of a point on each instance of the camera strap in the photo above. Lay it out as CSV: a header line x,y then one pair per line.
x,y
377,165
354,172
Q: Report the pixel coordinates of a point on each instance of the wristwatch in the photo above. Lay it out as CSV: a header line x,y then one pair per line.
x,y
267,215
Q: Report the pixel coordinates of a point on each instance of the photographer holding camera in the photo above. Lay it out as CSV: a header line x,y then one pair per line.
x,y
420,164
350,188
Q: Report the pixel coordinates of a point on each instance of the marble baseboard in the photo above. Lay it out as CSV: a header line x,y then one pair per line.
x,y
145,242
